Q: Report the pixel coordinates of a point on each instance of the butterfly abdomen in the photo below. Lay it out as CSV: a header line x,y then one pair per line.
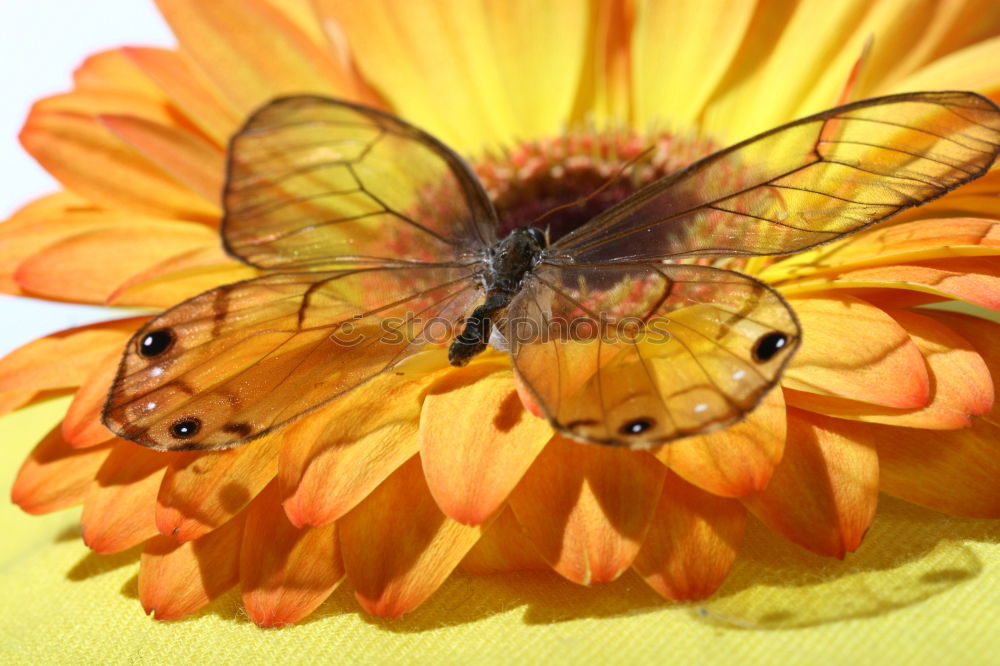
x,y
507,263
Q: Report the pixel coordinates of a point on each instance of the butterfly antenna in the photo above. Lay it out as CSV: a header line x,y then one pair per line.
x,y
608,183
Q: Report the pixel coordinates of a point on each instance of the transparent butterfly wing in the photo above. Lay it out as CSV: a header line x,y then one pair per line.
x,y
372,224
249,357
639,354
316,182
802,184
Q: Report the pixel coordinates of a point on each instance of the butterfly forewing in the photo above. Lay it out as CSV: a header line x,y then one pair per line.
x,y
639,354
803,184
236,362
315,182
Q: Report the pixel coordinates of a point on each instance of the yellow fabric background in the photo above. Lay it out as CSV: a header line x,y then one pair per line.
x,y
924,588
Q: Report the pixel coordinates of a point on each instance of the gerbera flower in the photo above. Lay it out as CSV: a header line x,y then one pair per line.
x,y
401,482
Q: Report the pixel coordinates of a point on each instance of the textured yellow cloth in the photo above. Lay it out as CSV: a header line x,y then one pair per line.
x,y
924,588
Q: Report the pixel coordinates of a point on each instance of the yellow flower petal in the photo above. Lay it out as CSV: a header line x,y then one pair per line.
x,y
252,52
470,73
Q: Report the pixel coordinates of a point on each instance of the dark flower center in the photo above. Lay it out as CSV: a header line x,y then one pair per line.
x,y
576,177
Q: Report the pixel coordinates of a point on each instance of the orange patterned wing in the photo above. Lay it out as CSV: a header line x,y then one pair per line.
x,y
318,183
640,354
236,362
802,184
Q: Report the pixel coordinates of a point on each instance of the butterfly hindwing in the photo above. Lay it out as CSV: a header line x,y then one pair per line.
x,y
639,354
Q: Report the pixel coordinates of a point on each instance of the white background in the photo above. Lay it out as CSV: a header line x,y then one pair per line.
x,y
41,43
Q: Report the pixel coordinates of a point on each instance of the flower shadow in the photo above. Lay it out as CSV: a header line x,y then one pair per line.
x,y
911,554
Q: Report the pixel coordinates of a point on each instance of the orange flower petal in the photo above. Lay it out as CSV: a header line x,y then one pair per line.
x,y
692,541
202,491
587,507
473,458
823,494
285,571
338,455
983,334
252,52
55,475
180,277
893,244
503,547
120,506
188,90
960,382
66,269
183,155
975,280
737,460
397,545
62,360
176,580
505,94
854,350
112,71
955,472
88,159
82,425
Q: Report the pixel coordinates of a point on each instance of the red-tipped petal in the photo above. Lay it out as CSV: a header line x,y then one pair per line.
x,y
202,491
473,458
55,475
737,460
82,425
189,91
65,270
960,383
120,508
252,52
62,360
285,571
824,492
182,154
502,548
397,545
334,458
586,507
176,580
956,471
692,541
854,350
88,159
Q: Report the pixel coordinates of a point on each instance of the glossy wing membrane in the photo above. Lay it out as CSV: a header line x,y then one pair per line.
x,y
639,354
315,182
236,362
802,184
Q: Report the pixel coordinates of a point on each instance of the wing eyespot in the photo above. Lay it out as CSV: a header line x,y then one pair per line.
x,y
156,342
185,428
768,346
637,426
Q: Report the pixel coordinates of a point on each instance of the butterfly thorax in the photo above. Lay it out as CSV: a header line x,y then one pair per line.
x,y
505,266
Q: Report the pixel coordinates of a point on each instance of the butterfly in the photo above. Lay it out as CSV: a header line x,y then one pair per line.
x,y
376,242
